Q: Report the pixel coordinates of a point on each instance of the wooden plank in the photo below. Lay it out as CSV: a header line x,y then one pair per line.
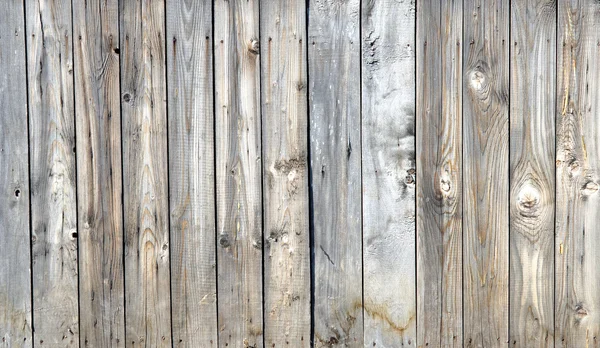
x,y
99,184
532,96
577,247
239,166
335,148
388,172
191,173
15,252
485,172
439,173
145,177
285,186
53,173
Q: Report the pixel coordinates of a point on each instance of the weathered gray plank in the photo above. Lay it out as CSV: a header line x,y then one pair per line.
x,y
285,186
191,173
532,102
388,172
335,148
485,172
239,197
53,174
15,262
578,175
99,184
146,224
439,173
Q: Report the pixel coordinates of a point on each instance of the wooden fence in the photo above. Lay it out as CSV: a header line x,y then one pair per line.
x,y
286,173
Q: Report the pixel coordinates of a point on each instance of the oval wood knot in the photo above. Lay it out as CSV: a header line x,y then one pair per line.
x,y
254,46
589,188
528,200
478,80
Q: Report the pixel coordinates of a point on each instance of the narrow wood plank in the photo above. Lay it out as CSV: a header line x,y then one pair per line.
x,y
285,186
191,173
485,172
388,172
53,173
335,151
532,101
239,166
99,184
439,173
15,252
577,247
145,176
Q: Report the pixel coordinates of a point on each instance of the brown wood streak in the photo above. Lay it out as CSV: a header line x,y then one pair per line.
x,y
532,90
147,279
191,173
577,246
485,173
239,165
439,173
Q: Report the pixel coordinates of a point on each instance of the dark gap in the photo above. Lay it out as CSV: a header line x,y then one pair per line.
x,y
415,142
556,45
216,206
362,226
262,180
509,158
462,173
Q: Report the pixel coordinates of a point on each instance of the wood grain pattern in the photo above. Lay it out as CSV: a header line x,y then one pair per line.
x,y
191,173
532,101
388,172
285,183
145,176
99,182
239,172
53,173
485,173
335,148
15,257
439,173
577,247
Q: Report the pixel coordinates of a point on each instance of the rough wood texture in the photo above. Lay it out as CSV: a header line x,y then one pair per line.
x,y
439,173
191,173
388,171
532,102
15,262
239,171
485,172
335,148
577,175
99,184
146,219
53,174
285,183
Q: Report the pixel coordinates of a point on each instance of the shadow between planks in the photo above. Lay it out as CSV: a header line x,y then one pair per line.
x,y
245,173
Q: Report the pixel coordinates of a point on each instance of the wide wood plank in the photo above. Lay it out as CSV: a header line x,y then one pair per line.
x,y
335,165
388,172
532,102
439,173
99,184
53,173
239,172
485,172
15,257
191,173
145,176
577,248
285,179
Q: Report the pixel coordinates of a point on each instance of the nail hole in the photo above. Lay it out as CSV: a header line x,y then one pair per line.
x,y
17,193
74,234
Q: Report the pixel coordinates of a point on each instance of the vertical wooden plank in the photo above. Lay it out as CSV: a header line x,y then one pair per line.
x,y
99,184
485,172
388,172
285,187
335,148
144,124
439,173
191,173
15,269
578,175
239,165
53,174
532,101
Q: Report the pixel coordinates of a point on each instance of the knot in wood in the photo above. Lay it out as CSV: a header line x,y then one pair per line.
x,y
478,80
589,188
528,200
254,46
